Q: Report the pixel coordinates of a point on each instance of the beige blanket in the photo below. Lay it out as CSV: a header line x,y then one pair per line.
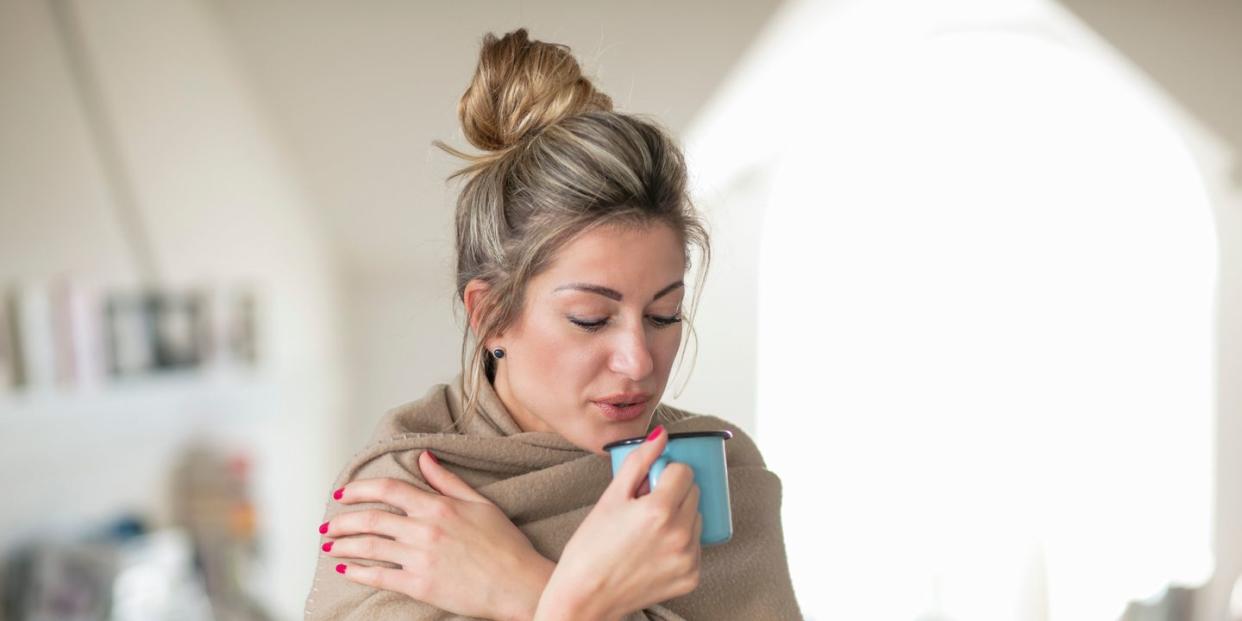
x,y
547,486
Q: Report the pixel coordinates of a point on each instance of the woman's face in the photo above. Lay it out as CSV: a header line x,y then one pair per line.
x,y
602,320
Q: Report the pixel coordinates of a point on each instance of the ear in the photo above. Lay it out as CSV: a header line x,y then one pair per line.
x,y
476,291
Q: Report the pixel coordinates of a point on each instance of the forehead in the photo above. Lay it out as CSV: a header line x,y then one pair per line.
x,y
619,256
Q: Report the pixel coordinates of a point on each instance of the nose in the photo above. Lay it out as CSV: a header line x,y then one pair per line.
x,y
632,354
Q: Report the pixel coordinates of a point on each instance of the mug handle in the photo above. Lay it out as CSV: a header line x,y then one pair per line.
x,y
656,470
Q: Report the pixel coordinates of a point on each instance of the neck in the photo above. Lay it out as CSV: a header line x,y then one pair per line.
x,y
520,415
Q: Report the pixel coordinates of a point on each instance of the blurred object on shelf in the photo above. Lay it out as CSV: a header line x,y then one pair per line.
x,y
10,372
211,501
156,579
196,570
233,315
1174,603
71,334
181,330
65,582
52,332
34,336
130,347
156,331
76,308
124,573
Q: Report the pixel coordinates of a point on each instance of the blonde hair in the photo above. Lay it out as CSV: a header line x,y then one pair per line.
x,y
558,162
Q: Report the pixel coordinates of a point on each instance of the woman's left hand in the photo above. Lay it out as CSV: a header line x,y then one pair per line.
x,y
457,550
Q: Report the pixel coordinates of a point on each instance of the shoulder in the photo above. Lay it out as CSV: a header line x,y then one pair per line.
x,y
397,433
740,450
427,414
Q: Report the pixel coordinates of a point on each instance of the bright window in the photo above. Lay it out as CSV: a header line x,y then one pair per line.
x,y
986,338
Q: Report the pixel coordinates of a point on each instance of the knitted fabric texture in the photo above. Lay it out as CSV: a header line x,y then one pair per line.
x,y
547,486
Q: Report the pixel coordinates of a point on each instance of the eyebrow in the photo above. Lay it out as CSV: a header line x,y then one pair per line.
x,y
613,293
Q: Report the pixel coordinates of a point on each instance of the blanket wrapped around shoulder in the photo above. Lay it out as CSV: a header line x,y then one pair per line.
x,y
546,486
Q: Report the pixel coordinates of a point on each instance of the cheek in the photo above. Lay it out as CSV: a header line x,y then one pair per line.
x,y
560,357
666,345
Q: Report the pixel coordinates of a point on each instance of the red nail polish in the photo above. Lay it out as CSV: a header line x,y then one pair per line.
x,y
338,493
655,433
433,457
323,528
340,569
327,547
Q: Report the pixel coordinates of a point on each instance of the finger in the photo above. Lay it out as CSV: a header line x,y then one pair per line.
x,y
675,482
399,494
370,521
370,548
644,488
689,506
698,533
636,464
395,580
445,481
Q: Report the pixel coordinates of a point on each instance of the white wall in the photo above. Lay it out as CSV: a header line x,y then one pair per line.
x,y
404,339
361,90
50,169
725,364
222,207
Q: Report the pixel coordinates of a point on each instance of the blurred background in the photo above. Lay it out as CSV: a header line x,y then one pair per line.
x,y
977,288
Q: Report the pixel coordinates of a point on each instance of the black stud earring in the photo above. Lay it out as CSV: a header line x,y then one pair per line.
x,y
499,352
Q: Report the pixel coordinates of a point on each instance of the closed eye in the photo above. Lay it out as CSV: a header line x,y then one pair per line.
x,y
656,320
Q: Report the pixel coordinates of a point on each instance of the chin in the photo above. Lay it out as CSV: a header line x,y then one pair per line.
x,y
612,433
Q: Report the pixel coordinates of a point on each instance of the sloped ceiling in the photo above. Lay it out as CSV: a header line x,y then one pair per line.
x,y
1193,50
358,90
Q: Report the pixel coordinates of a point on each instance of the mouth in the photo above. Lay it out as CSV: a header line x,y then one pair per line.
x,y
621,412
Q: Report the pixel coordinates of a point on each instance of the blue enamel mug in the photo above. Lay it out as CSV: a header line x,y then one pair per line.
x,y
704,452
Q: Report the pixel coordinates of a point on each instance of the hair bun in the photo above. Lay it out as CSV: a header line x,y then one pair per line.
x,y
521,86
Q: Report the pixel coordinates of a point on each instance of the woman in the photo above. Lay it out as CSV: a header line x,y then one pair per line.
x,y
492,497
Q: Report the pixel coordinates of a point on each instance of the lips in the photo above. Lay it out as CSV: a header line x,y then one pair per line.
x,y
624,398
621,413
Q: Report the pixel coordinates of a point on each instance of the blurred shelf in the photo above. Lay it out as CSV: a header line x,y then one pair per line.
x,y
178,394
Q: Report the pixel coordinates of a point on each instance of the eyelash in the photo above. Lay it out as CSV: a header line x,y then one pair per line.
x,y
595,326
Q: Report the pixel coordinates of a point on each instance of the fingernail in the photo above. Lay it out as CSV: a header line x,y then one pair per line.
x,y
433,458
340,569
338,493
327,547
323,528
655,433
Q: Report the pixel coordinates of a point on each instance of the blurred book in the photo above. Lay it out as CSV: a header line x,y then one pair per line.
x,y
240,338
87,314
77,317
35,342
72,334
10,356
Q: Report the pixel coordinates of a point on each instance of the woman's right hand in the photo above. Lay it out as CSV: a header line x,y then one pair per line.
x,y
631,551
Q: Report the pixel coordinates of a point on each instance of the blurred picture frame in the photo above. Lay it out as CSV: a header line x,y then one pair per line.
x,y
238,327
129,334
181,334
150,332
